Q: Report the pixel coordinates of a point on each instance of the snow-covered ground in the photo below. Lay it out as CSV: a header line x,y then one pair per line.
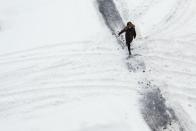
x,y
62,70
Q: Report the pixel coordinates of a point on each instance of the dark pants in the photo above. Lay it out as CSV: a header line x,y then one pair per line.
x,y
128,43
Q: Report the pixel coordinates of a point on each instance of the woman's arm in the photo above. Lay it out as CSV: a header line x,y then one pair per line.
x,y
122,31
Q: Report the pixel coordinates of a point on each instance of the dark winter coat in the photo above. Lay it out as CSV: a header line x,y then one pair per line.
x,y
129,33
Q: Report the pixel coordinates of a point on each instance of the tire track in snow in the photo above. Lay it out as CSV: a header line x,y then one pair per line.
x,y
36,97
169,23
47,48
138,11
35,79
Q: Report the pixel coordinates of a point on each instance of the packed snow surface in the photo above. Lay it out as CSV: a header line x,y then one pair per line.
x,y
61,69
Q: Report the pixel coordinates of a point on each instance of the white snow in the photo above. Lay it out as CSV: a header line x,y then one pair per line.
x,y
33,23
62,70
